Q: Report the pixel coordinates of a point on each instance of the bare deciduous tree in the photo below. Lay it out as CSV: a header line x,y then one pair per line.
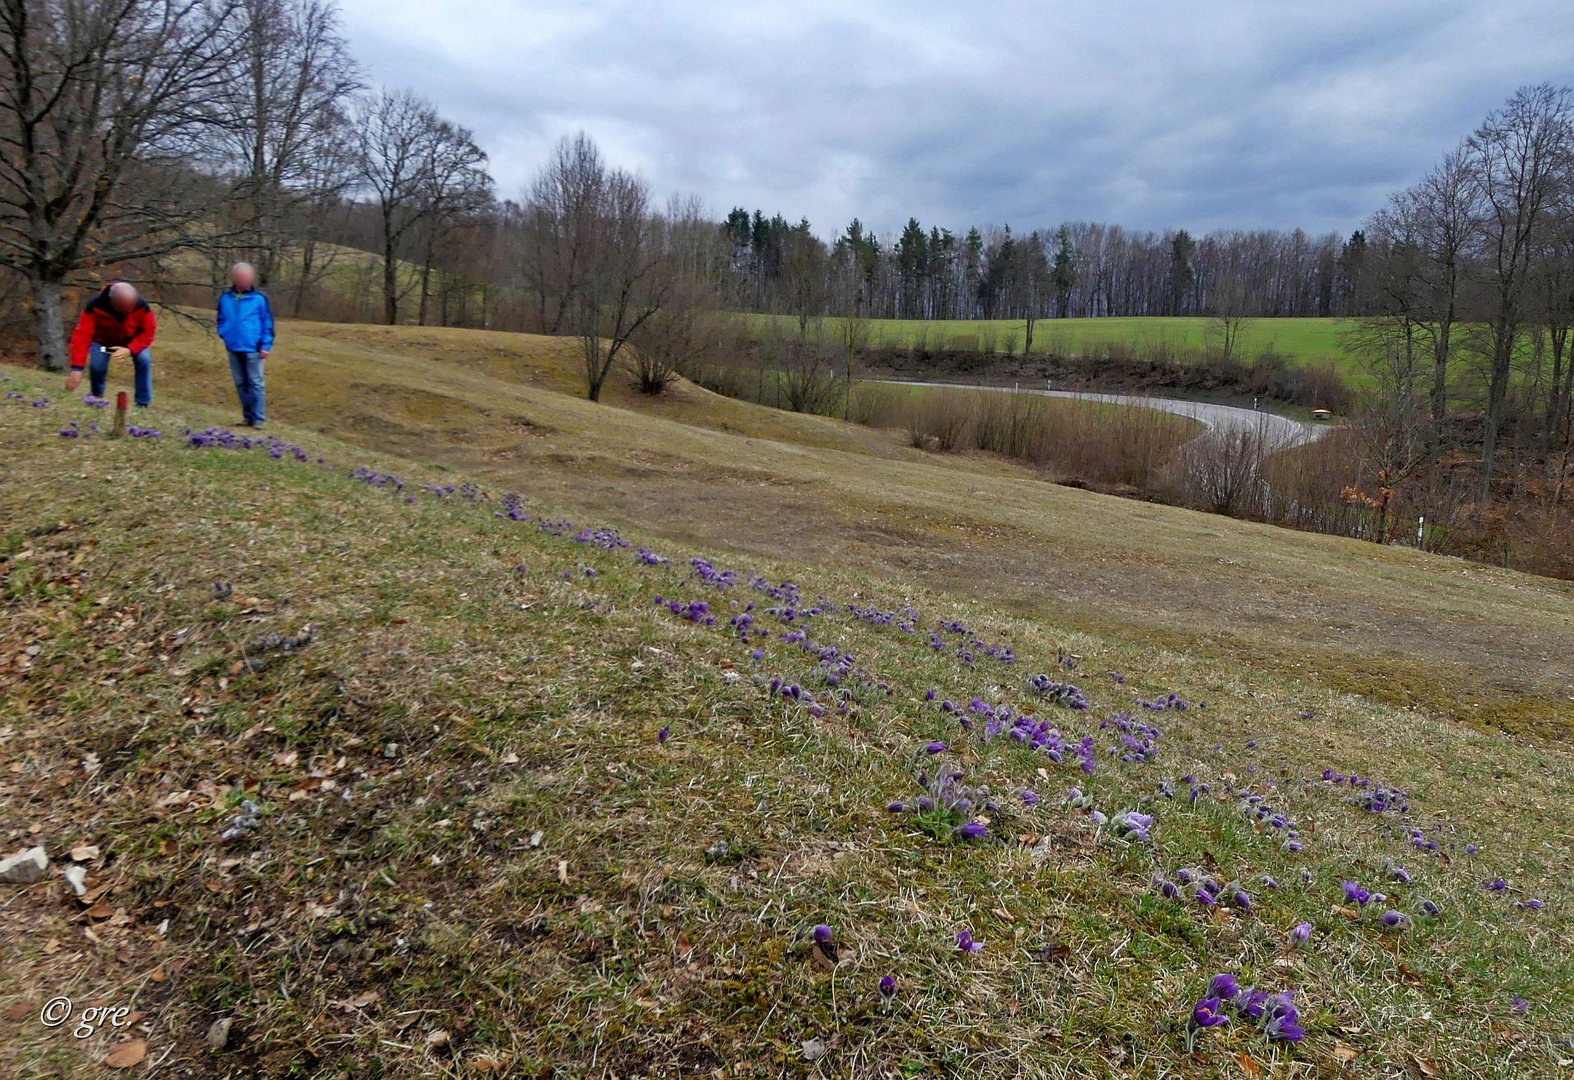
x,y
406,153
279,120
688,329
1520,163
96,99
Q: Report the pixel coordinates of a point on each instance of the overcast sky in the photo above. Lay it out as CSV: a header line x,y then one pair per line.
x,y
1151,114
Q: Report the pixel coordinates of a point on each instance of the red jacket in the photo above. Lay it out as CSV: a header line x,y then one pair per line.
x,y
101,324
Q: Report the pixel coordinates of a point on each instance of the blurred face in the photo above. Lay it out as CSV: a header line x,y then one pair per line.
x,y
243,278
123,299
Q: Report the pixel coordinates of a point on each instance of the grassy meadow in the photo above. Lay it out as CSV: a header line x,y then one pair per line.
x,y
1301,340
564,726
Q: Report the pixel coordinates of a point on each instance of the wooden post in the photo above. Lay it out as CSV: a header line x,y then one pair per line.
x,y
120,414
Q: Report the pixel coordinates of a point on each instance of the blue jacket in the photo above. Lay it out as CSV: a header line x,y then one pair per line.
x,y
245,321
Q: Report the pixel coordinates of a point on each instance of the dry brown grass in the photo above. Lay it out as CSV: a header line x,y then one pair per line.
x,y
1489,646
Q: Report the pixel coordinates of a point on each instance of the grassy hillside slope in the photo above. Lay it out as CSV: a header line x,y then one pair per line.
x,y
515,816
1487,646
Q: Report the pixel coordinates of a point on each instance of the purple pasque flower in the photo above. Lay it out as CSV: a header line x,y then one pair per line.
x,y
1300,932
965,942
1531,904
1496,885
1355,894
972,830
1208,1013
1394,920
1519,1004
935,746
822,934
1284,1020
1224,986
887,987
1241,899
664,734
1430,908
1252,1004
1205,897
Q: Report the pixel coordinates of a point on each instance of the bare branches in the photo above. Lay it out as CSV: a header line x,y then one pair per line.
x,y
93,95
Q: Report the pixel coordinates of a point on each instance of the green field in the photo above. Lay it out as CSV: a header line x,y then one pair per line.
x,y
515,816
1300,340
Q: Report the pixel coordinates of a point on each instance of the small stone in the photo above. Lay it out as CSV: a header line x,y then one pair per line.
x,y
77,876
25,867
219,1033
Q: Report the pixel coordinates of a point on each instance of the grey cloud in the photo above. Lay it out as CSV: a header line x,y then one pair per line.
x,y
1146,113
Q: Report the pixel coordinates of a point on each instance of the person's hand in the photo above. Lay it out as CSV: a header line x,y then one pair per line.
x,y
262,354
73,380
120,353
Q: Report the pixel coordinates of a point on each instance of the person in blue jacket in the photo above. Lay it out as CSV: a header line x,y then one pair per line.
x,y
246,328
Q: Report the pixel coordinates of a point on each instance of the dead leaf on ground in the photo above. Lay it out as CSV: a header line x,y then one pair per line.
x,y
128,1054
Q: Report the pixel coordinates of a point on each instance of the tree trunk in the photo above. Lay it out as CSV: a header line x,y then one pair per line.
x,y
1497,398
48,329
390,272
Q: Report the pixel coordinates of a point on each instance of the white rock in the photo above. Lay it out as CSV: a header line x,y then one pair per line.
x,y
219,1033
24,868
77,876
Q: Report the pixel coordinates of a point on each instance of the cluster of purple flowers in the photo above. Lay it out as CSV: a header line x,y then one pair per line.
x,y
1138,741
1373,798
1061,693
1258,807
601,537
947,807
466,491
970,646
1170,701
796,694
695,611
1275,1012
904,618
216,438
1205,889
719,579
512,507
370,477
1133,825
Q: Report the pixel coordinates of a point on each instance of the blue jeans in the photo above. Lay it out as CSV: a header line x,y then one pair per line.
x,y
98,373
246,370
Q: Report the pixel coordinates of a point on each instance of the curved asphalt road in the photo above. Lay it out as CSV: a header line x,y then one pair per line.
x,y
1277,430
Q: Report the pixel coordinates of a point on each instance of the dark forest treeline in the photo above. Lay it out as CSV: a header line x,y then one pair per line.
x,y
1076,269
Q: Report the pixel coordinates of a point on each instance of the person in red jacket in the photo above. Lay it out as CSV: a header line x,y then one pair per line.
x,y
116,324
